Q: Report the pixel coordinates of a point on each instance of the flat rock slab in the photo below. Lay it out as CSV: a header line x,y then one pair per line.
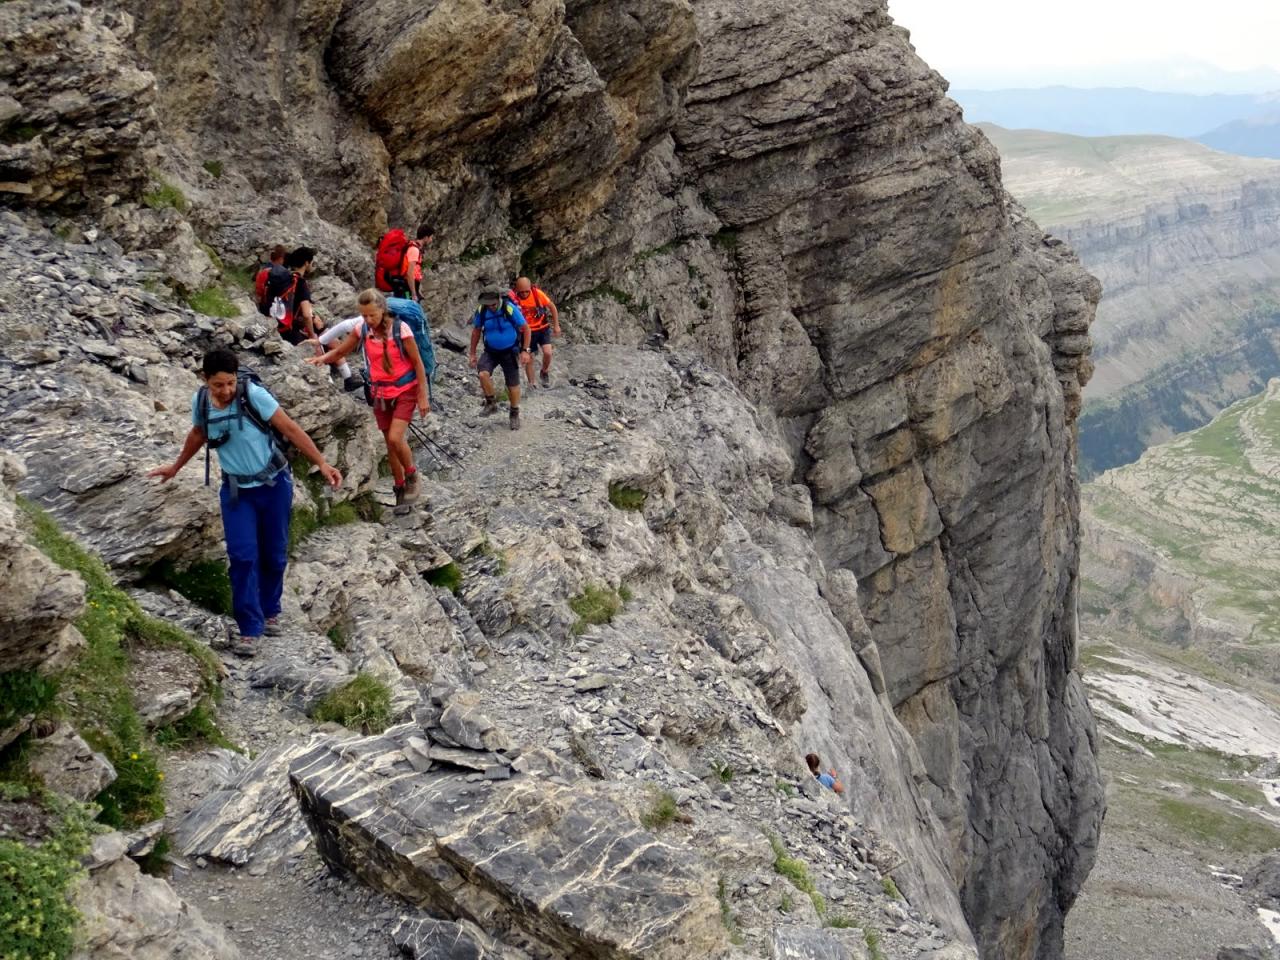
x,y
809,943
166,685
66,764
425,938
254,817
565,866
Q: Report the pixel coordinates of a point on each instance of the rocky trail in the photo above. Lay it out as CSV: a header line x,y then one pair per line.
x,y
806,482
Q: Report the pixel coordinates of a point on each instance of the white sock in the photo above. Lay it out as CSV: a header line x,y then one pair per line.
x,y
344,369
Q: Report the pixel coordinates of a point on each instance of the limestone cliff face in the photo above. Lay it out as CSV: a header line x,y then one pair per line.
x,y
788,192
1186,242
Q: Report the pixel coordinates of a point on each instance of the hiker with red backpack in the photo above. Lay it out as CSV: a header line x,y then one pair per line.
x,y
287,297
397,378
239,418
275,261
397,266
544,321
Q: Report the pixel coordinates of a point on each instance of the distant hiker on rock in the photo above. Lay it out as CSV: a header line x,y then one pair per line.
x,y
398,381
275,261
828,779
501,324
288,296
544,321
236,416
398,263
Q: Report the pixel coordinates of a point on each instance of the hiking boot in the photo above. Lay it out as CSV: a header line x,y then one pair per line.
x,y
273,628
545,378
401,508
352,384
490,406
246,647
412,487
515,418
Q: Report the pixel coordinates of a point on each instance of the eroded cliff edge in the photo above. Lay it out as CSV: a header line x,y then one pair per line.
x,y
784,190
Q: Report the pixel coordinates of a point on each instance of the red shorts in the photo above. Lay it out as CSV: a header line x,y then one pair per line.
x,y
395,408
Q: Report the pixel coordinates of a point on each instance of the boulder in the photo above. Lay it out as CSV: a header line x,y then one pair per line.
x,y
563,865
66,764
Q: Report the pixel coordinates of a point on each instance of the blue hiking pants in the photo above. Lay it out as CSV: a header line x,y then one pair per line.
x,y
257,532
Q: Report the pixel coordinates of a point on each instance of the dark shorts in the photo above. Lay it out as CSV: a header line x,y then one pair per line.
x,y
539,339
508,360
397,408
295,336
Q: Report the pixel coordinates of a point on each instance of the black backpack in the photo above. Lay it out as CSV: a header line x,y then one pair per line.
x,y
245,411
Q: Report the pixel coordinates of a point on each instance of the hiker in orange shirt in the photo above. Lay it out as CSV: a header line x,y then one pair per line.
x,y
544,322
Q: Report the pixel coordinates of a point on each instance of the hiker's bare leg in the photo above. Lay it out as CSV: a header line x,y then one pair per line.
x,y
486,384
513,394
546,358
398,450
527,363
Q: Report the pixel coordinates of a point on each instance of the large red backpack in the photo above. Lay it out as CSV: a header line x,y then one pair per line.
x,y
388,263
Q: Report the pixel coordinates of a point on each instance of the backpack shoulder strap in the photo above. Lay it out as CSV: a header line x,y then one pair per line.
x,y
248,409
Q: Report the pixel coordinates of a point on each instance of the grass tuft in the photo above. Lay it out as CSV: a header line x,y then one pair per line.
x,y
205,583
214,168
627,498
726,915
723,771
24,692
363,704
890,888
797,872
212,302
165,195
156,862
595,605
448,576
661,811
200,726
337,638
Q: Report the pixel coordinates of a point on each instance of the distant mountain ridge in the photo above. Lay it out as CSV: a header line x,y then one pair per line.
x,y
1111,111
1252,137
1186,242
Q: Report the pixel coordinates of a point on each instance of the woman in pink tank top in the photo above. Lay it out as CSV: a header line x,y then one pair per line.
x,y
398,385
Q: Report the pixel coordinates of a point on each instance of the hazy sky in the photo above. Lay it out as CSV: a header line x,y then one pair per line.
x,y
971,36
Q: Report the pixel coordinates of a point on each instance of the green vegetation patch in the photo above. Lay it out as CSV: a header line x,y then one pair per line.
x,y
796,871
24,692
363,704
165,195
477,251
212,302
627,498
95,693
214,168
205,583
337,638
723,771
37,919
660,812
727,916
890,888
597,604
448,576
1217,828
199,727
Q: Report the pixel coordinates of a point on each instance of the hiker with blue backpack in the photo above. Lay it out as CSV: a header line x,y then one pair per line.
x,y
397,373
502,325
240,419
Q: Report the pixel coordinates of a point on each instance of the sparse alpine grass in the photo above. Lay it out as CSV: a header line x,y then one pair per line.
x,y
363,704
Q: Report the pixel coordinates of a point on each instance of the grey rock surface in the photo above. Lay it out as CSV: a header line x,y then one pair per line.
x,y
585,877
68,765
127,915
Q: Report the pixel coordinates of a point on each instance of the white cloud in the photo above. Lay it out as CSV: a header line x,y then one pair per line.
x,y
987,35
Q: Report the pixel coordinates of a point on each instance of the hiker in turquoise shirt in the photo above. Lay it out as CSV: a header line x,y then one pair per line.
x,y
239,418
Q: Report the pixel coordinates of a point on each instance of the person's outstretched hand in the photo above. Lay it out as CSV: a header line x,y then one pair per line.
x,y
331,475
165,473
316,360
